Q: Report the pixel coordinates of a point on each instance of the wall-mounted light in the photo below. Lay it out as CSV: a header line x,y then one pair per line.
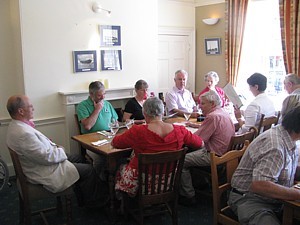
x,y
210,21
96,7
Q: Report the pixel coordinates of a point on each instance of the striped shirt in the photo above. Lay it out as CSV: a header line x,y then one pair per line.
x,y
272,156
180,99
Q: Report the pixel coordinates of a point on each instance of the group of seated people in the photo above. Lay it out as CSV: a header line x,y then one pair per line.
x,y
265,174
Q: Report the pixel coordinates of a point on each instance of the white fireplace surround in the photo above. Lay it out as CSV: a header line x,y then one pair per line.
x,y
75,97
116,96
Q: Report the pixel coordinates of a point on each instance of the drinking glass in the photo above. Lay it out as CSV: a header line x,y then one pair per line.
x,y
129,123
187,115
114,126
199,109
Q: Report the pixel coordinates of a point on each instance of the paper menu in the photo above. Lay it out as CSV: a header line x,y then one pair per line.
x,y
232,95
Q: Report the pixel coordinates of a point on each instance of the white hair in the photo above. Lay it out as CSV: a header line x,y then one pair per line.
x,y
212,96
213,75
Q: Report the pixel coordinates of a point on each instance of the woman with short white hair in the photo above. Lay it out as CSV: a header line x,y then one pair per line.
x,y
212,79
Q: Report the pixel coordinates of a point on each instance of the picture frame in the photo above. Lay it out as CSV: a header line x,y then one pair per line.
x,y
85,61
213,46
110,35
111,60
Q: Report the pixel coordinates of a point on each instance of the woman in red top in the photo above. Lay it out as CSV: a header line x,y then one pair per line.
x,y
154,136
212,79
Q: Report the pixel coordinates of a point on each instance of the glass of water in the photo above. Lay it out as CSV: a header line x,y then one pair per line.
x,y
187,115
129,123
114,126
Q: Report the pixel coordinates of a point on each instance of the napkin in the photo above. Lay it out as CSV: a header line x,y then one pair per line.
x,y
104,133
180,124
100,142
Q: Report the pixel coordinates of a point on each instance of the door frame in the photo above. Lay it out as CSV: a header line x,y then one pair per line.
x,y
190,33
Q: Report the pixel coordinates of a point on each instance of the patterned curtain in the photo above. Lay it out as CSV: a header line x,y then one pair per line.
x,y
235,14
289,24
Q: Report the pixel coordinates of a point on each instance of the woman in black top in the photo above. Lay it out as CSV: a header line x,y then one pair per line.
x,y
133,108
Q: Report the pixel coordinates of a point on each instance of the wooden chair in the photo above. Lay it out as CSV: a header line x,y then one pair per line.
x,y
267,122
160,194
29,192
237,142
82,149
221,211
120,113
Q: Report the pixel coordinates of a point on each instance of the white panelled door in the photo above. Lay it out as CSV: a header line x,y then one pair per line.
x,y
173,54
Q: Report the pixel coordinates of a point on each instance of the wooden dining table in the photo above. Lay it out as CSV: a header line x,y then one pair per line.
x,y
113,155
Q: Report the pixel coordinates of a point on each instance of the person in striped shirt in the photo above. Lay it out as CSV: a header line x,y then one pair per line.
x,y
266,173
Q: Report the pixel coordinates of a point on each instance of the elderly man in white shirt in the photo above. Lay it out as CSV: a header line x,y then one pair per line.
x,y
180,100
262,104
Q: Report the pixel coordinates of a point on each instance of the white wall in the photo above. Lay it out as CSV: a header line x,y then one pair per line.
x,y
51,30
176,13
48,33
9,54
36,51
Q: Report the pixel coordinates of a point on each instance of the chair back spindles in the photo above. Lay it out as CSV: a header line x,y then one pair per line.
x,y
220,188
267,122
237,141
158,178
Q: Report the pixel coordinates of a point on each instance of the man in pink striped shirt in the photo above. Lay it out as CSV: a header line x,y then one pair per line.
x,y
216,132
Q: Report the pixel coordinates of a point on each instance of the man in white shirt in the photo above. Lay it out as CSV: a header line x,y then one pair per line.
x,y
45,162
179,100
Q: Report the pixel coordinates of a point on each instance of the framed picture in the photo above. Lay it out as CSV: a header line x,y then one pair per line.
x,y
110,35
111,60
213,46
84,61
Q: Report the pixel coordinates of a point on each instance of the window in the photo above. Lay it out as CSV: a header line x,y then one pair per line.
x,y
262,50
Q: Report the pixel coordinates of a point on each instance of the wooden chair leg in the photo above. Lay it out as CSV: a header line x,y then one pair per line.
x,y
26,213
141,216
69,209
42,214
21,208
125,205
174,211
59,205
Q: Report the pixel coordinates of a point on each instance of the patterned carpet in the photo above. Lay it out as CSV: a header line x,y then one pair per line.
x,y
9,213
